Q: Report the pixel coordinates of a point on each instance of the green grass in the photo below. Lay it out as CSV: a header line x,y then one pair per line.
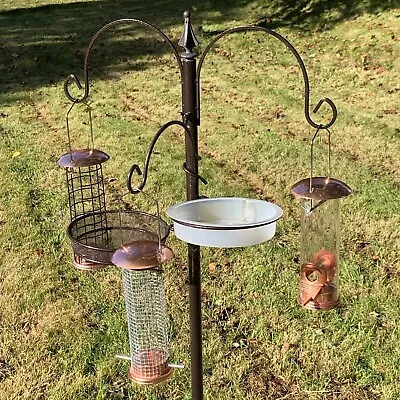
x,y
60,328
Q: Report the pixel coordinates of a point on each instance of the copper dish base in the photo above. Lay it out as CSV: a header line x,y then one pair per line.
x,y
150,367
96,236
313,305
327,299
84,265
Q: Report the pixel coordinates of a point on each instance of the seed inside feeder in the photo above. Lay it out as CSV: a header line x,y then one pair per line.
x,y
316,288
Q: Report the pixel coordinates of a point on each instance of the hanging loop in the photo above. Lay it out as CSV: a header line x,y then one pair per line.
x,y
299,61
90,138
136,191
133,169
158,218
74,79
312,153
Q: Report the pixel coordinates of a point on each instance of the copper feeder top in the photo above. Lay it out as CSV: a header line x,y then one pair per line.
x,y
320,188
82,158
142,254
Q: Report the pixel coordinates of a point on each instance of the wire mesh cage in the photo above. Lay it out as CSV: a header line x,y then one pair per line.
x,y
96,241
86,194
147,325
319,238
140,259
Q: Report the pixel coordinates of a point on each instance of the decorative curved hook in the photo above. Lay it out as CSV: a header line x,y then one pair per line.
x,y
299,60
136,168
73,78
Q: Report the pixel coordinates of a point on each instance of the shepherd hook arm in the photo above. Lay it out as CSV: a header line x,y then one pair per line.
x,y
74,79
136,168
299,60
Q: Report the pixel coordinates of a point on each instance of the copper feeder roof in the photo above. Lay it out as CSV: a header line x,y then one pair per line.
x,y
320,188
142,254
82,158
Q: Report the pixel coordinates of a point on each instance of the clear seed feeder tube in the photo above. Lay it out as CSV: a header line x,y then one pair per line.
x,y
319,237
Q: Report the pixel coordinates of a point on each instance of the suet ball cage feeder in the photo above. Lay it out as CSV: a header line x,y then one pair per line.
x,y
86,194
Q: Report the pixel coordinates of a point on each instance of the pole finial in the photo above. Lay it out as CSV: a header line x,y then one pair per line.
x,y
188,39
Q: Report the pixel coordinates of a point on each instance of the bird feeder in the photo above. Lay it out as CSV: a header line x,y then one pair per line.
x,y
320,237
86,195
142,278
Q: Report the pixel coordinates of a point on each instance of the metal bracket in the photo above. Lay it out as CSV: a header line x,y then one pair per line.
x,y
136,168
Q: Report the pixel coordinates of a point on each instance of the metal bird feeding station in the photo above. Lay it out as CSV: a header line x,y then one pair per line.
x,y
255,221
320,236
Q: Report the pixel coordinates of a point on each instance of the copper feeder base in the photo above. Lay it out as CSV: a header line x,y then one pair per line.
x,y
85,265
327,299
155,369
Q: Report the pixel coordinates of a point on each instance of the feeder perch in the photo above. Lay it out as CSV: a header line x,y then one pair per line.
x,y
319,238
86,195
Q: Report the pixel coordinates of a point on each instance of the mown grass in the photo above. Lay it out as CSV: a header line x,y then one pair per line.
x,y
60,328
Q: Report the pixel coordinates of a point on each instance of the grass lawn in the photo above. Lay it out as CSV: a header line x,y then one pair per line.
x,y
60,328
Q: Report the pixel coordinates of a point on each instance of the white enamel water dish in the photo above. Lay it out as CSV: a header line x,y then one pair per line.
x,y
225,221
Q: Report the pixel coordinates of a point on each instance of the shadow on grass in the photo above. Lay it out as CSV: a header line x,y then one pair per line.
x,y
42,45
322,14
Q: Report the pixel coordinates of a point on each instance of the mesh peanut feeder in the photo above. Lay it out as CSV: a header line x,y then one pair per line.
x,y
142,275
86,195
147,325
320,237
